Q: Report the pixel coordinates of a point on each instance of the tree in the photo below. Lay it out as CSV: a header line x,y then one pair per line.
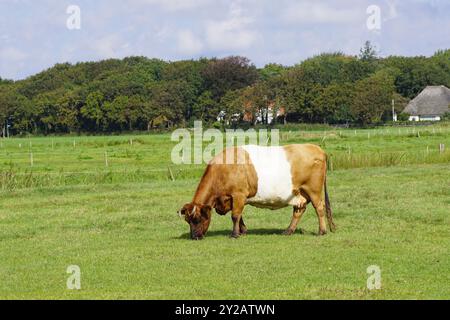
x,y
115,112
400,103
233,104
333,103
206,108
415,73
368,52
232,73
169,99
271,70
372,98
128,94
93,109
446,116
69,112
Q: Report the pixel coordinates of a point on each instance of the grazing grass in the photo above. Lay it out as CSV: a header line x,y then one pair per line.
x,y
119,224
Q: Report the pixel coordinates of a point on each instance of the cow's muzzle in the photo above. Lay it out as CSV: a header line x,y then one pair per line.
x,y
197,236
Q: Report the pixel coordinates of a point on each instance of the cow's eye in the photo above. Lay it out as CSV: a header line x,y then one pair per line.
x,y
195,220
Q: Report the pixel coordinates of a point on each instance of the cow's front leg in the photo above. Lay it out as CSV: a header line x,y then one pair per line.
x,y
236,216
299,209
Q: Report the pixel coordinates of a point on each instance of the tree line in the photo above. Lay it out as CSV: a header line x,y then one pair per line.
x,y
138,93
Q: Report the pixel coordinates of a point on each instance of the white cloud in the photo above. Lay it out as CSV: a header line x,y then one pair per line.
x,y
315,12
175,5
12,62
233,33
285,31
12,54
188,43
111,46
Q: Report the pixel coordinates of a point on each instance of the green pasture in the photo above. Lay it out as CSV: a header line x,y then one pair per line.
x,y
60,161
108,205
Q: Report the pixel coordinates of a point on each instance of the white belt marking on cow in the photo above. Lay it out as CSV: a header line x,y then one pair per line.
x,y
274,177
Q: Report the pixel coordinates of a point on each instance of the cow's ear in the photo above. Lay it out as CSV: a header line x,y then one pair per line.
x,y
181,212
185,210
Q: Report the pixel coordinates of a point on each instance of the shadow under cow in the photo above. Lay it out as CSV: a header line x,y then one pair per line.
x,y
258,232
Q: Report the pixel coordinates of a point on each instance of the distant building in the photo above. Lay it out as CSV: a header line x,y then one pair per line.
x,y
257,115
430,105
264,115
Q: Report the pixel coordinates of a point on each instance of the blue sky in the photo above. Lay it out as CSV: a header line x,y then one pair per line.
x,y
34,35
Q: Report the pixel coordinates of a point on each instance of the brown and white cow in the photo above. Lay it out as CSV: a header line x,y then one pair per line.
x,y
264,177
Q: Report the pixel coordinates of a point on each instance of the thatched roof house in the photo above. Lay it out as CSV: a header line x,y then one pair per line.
x,y
430,105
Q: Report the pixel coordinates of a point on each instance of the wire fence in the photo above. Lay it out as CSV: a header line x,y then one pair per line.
x,y
86,160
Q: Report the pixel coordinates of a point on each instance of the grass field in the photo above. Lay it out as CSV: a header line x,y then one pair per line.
x,y
108,205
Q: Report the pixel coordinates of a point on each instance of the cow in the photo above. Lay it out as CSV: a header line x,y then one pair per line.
x,y
264,177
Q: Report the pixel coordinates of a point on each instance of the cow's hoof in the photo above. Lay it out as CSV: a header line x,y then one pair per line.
x,y
243,232
234,235
322,232
288,232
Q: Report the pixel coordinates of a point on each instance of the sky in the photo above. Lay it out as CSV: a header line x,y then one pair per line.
x,y
36,34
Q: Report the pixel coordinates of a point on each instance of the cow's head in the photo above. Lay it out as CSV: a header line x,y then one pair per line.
x,y
198,217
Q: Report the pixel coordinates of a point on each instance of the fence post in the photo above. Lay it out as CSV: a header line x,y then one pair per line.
x,y
171,174
31,159
330,160
106,159
441,148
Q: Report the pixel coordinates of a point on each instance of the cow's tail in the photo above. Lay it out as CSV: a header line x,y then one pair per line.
x,y
331,224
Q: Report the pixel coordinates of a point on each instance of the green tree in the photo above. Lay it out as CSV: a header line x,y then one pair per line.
x,y
368,52
206,108
372,98
69,111
334,102
232,73
271,70
93,109
233,104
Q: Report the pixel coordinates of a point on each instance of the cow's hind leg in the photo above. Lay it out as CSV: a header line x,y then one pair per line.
x,y
299,209
319,205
